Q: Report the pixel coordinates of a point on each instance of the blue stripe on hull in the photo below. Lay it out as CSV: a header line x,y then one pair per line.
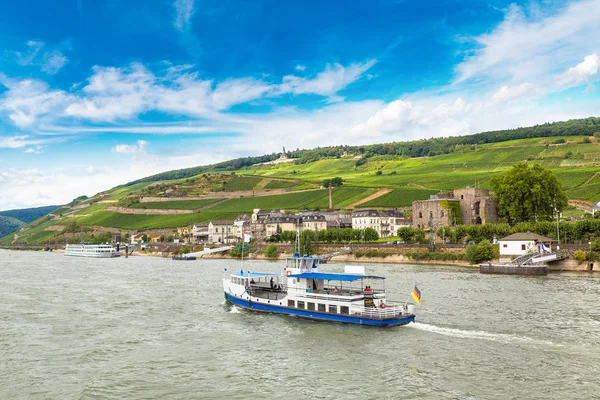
x,y
318,316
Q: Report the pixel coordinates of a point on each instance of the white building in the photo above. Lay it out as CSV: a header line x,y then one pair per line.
x,y
385,222
518,244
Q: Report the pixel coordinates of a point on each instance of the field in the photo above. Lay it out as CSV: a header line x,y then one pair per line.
x,y
399,198
175,205
280,184
294,201
241,183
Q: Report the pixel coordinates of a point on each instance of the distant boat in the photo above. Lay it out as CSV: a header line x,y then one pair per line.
x,y
91,250
184,257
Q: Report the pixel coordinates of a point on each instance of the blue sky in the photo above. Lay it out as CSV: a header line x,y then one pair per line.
x,y
97,93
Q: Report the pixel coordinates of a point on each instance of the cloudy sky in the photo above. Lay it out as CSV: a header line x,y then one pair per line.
x,y
97,93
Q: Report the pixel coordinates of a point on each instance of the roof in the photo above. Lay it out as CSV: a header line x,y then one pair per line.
x,y
527,236
248,274
222,222
334,277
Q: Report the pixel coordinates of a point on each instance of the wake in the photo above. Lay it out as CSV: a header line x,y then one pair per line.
x,y
479,335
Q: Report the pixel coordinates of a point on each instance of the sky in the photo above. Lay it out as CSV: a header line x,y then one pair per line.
x,y
94,94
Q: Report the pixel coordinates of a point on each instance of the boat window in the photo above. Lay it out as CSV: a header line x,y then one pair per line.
x,y
310,306
290,303
300,305
322,308
344,310
333,309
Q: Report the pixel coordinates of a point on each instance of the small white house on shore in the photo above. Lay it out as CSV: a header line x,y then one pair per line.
x,y
518,244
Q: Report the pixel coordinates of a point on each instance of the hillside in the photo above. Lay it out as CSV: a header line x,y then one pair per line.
x,y
28,215
166,205
13,220
9,225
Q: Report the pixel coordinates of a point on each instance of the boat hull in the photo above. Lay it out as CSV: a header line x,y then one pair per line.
x,y
314,315
93,255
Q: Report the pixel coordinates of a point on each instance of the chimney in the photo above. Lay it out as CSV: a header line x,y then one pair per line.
x,y
330,199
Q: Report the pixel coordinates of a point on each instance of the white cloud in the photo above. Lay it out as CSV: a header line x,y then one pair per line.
x,y
524,48
16,142
328,82
140,147
53,62
184,10
300,67
508,93
114,94
50,61
28,99
582,72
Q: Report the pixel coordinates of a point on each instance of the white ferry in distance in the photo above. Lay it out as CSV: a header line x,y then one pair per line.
x,y
302,290
91,250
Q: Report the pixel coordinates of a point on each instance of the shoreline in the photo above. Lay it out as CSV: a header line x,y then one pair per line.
x,y
399,259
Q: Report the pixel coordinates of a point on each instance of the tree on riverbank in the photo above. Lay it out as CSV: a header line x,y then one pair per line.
x,y
528,193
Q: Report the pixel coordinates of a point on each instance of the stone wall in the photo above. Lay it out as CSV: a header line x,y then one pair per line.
x,y
476,206
426,212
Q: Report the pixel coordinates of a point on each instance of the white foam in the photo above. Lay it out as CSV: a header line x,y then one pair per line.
x,y
480,335
235,310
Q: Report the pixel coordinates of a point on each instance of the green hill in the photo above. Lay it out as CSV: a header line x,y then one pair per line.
x,y
28,215
9,225
225,190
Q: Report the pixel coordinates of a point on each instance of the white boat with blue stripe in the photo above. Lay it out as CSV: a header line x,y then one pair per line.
x,y
304,291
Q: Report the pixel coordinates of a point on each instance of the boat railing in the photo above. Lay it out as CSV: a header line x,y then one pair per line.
x,y
350,292
392,310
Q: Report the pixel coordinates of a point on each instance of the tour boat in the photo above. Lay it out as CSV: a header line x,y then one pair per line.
x,y
91,250
304,291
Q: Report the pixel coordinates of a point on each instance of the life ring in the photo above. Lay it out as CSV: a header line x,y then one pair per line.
x,y
288,273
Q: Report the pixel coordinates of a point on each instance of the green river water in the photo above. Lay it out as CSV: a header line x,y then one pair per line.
x,y
152,328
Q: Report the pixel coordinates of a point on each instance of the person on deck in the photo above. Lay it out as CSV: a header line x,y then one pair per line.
x,y
271,283
252,281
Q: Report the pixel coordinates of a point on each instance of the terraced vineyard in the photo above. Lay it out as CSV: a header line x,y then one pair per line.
x,y
574,162
399,198
175,205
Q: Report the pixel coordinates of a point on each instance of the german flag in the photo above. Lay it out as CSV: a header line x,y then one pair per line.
x,y
416,295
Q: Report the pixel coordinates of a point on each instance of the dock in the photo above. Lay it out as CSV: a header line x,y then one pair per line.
x,y
527,264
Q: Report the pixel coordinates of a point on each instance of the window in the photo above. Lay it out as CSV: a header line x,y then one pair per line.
x,y
344,310
420,214
290,303
462,197
522,247
300,305
333,309
442,213
311,306
322,308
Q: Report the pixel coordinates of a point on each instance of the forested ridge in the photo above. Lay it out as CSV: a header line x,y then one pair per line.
x,y
419,148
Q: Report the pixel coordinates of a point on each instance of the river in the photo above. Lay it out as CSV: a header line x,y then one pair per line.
x,y
153,328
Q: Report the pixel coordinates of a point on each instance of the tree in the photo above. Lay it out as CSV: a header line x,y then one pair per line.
x,y
528,193
335,182
405,233
272,251
483,251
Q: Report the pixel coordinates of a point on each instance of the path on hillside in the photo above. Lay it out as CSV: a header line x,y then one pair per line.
x,y
590,178
582,204
369,198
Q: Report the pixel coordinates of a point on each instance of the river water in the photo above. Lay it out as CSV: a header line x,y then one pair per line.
x,y
152,328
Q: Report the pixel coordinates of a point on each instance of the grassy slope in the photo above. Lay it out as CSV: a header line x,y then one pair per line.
x,y
414,178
